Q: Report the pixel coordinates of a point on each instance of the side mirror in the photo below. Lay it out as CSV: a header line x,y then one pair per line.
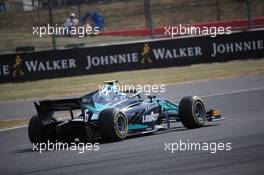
x,y
151,97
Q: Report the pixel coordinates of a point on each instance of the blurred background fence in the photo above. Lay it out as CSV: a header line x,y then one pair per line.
x,y
17,17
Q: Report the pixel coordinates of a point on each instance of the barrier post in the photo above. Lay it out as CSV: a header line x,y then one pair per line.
x,y
149,17
51,23
248,4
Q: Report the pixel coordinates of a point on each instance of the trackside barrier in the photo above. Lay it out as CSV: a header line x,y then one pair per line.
x,y
238,24
131,56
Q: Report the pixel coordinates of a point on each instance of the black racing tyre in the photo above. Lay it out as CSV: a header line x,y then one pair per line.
x,y
113,124
192,112
36,130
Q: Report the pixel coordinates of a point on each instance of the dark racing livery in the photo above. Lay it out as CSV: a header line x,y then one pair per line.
x,y
112,115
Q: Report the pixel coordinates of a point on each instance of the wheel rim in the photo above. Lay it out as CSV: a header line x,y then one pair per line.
x,y
121,124
199,111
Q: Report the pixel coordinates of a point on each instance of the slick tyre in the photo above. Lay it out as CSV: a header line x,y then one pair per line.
x,y
192,112
113,125
36,131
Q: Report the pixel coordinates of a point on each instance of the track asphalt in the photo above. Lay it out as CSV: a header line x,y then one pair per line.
x,y
240,100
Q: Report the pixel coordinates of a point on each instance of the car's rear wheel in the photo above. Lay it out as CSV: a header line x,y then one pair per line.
x,y
113,124
36,130
192,112
37,133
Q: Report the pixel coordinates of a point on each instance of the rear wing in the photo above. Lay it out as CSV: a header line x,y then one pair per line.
x,y
46,108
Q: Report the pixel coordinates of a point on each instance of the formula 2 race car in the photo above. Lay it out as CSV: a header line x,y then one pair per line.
x,y
112,115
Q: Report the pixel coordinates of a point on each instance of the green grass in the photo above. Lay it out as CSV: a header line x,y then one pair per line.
x,y
20,39
74,86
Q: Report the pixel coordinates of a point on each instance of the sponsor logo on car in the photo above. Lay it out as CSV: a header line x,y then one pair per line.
x,y
150,118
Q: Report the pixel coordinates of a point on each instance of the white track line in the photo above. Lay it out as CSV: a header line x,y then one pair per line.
x,y
234,92
23,126
226,93
17,127
209,95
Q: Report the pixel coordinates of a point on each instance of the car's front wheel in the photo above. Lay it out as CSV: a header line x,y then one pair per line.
x,y
192,112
